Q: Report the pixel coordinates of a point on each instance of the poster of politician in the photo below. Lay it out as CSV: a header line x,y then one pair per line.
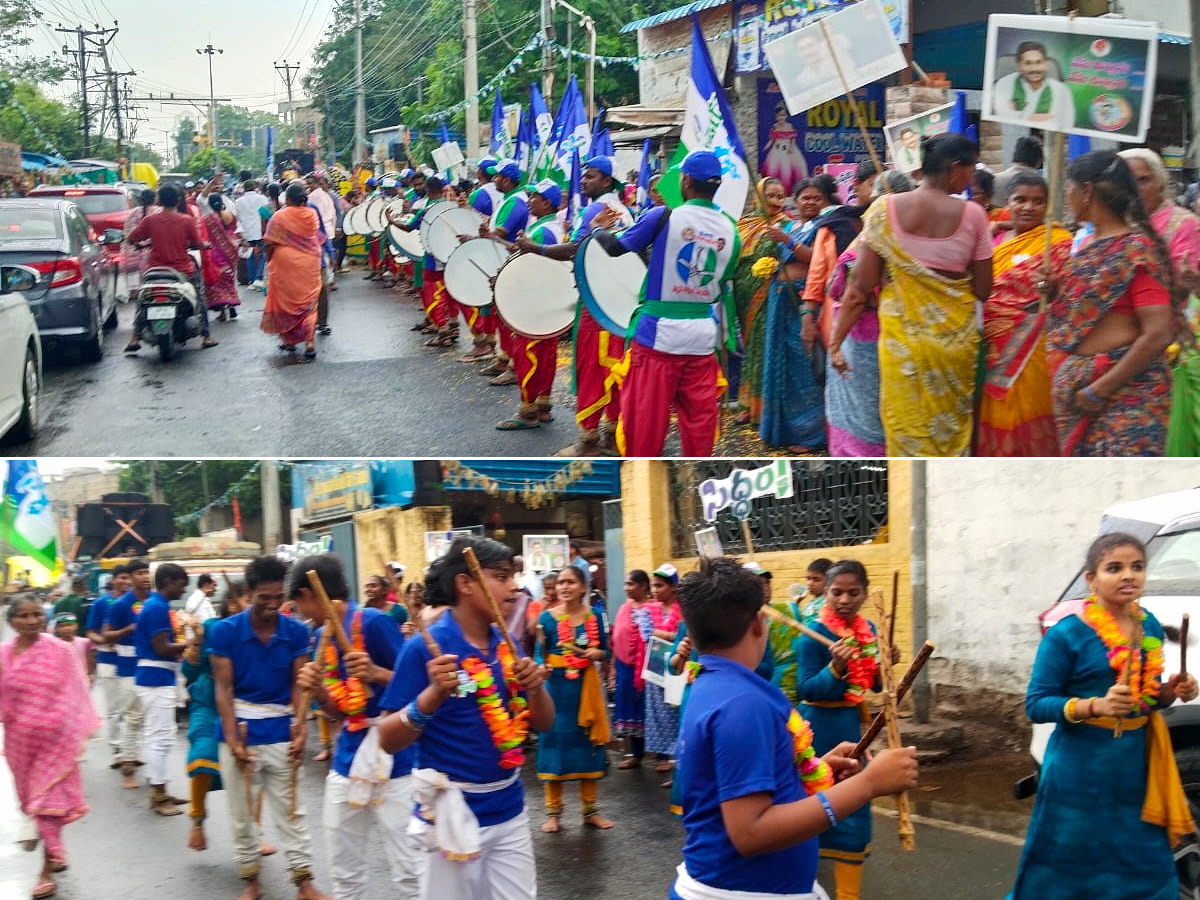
x,y
904,137
1085,76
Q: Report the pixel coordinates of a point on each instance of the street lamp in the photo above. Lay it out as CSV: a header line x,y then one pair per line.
x,y
209,51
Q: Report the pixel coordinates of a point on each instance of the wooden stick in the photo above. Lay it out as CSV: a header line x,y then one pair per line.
x,y
418,623
476,571
1183,638
902,690
1135,646
1053,177
247,770
300,723
333,622
858,116
775,615
892,720
746,535
891,624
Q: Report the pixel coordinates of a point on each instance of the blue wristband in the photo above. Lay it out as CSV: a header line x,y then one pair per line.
x,y
833,819
417,717
1091,395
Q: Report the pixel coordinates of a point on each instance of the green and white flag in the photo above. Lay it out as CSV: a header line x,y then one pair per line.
x,y
26,519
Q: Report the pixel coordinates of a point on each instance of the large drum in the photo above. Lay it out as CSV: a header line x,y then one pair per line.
x,y
609,285
471,268
442,236
406,243
374,218
432,211
352,222
536,296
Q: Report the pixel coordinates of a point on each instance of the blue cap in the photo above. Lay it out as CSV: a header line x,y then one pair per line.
x,y
509,169
602,164
702,165
548,189
371,182
486,164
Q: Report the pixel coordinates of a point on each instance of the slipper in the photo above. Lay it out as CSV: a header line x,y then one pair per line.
x,y
420,326
516,423
45,889
310,354
325,329
505,377
208,342
288,348
441,340
58,864
544,414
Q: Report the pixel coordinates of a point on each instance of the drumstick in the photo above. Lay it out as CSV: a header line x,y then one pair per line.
x,y
772,613
477,573
902,689
892,720
895,598
482,270
247,769
1135,646
332,621
301,721
1183,636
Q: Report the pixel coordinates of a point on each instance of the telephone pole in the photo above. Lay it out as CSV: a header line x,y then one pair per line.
x,y
471,77
88,43
549,34
211,51
289,73
360,97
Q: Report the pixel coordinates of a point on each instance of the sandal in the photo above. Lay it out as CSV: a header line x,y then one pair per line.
x,y
45,889
508,376
310,354
58,864
208,342
288,348
544,414
518,423
442,340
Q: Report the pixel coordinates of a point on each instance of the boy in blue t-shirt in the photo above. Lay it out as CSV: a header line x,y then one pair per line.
x,y
120,620
106,659
363,795
751,823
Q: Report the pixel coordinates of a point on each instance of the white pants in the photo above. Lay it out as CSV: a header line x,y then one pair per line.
x,y
131,721
158,708
347,829
504,869
273,770
110,693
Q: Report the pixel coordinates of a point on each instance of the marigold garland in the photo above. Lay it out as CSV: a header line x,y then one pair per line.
x,y
863,666
815,773
1147,667
567,643
509,727
347,694
764,267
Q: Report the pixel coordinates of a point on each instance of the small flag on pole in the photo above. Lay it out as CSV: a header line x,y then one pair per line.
x,y
26,519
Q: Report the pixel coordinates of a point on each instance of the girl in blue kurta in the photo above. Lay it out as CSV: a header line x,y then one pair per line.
x,y
1109,808
831,683
571,640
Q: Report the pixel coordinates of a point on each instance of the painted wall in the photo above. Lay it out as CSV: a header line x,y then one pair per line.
x,y
662,83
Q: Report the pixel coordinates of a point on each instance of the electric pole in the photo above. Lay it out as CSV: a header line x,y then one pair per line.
x,y
272,525
547,54
360,98
88,42
471,77
289,74
211,51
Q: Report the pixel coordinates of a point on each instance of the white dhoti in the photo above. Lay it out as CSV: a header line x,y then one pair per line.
x,y
273,771
158,707
131,720
109,686
688,888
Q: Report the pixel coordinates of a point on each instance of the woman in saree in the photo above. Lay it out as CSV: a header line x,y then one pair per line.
x,y
220,262
1111,321
629,652
750,290
134,261
1109,761
47,716
852,384
793,401
931,255
293,244
1016,417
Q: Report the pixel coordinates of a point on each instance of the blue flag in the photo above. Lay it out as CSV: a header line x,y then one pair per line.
x,y
575,194
1077,145
598,123
541,124
644,175
26,519
570,133
270,147
445,134
500,137
524,153
602,145
958,114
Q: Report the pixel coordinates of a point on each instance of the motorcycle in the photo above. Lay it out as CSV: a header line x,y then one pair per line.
x,y
167,310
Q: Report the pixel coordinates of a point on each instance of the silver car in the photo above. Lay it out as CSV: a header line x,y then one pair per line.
x,y
20,356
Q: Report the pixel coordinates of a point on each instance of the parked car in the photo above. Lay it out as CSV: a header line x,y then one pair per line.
x,y
105,206
1169,524
76,298
20,355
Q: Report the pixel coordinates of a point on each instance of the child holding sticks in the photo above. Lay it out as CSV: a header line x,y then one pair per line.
x,y
756,795
467,699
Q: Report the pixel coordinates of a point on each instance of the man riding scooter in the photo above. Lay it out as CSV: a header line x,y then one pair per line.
x,y
171,234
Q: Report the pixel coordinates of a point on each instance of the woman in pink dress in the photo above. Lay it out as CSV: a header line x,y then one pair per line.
x,y
47,717
220,263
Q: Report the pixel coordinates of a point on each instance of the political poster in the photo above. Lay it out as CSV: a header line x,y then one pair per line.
x,y
546,552
708,543
1085,76
864,50
792,148
904,137
758,22
741,486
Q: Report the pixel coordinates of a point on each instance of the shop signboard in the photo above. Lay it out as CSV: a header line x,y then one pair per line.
x,y
758,22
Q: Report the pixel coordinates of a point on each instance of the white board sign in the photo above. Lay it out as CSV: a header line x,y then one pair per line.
x,y
742,486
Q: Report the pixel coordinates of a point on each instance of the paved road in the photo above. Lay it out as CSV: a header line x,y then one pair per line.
x,y
374,390
122,852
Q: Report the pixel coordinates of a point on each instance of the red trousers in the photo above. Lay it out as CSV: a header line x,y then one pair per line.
x,y
434,298
481,320
534,362
508,340
659,381
378,257
596,352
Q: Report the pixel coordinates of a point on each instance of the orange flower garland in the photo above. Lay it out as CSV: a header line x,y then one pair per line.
x,y
567,644
815,773
509,727
864,665
1147,667
347,694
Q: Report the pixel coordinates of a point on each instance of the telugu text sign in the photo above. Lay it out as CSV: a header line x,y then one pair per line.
x,y
741,486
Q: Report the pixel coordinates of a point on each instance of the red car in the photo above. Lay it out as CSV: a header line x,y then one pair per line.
x,y
103,205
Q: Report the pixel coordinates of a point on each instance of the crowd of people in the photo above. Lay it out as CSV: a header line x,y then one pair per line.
x,y
438,691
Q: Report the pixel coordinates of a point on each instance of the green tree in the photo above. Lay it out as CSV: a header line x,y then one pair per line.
x,y
17,19
203,162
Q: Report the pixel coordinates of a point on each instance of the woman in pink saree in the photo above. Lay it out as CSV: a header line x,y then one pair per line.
x,y
47,716
220,262
293,245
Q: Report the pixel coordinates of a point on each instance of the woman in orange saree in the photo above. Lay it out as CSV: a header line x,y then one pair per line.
x,y
293,246
1016,415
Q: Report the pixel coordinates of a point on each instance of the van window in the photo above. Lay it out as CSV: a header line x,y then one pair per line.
x,y
1173,567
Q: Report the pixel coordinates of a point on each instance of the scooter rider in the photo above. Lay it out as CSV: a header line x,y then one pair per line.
x,y
171,234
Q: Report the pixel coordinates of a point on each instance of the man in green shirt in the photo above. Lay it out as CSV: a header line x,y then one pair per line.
x,y
73,602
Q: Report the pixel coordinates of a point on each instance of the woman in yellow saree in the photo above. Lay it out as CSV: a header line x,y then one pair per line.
x,y
1016,414
931,254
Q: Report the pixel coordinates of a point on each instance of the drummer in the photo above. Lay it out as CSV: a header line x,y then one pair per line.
x,y
486,198
509,220
415,200
671,361
434,299
596,350
534,360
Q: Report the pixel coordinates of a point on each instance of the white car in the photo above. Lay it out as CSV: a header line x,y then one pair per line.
x,y
20,355
1169,525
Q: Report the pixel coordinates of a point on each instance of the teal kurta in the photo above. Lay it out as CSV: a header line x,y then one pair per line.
x,y
202,715
1087,840
565,752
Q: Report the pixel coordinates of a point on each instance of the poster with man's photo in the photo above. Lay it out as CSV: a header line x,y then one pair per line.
x,y
904,137
1085,76
546,552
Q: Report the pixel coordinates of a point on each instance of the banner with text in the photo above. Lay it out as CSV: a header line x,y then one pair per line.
x,y
741,486
758,22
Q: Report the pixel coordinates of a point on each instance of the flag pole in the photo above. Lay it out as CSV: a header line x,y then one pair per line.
x,y
858,116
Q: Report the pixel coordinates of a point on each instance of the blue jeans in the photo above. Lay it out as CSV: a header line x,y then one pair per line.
x,y
258,261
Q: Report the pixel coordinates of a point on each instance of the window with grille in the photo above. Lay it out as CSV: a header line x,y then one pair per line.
x,y
835,502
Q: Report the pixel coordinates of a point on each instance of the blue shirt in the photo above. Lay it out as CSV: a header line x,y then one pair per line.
x,y
95,622
262,673
733,742
155,618
383,642
457,741
513,214
120,615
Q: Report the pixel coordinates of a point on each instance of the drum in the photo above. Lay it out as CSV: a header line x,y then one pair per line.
x,y
442,237
536,296
609,285
471,268
352,222
432,211
406,243
374,219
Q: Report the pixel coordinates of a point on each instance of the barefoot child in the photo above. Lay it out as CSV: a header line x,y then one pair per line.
x,y
468,710
755,796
